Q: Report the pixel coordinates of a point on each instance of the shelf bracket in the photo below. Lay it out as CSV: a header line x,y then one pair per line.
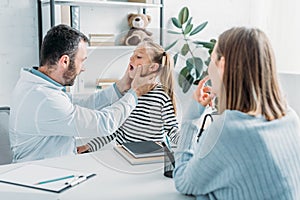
x,y
52,13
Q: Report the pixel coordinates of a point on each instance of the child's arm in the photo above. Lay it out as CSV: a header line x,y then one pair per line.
x,y
96,143
170,121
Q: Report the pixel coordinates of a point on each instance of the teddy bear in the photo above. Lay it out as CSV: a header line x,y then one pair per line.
x,y
137,32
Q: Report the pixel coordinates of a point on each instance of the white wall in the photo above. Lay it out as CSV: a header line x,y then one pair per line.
x,y
220,15
285,34
19,44
279,19
290,81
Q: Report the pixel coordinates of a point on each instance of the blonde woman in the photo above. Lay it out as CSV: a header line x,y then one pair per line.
x,y
252,151
154,117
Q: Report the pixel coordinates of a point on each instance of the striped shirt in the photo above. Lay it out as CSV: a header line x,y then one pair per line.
x,y
152,119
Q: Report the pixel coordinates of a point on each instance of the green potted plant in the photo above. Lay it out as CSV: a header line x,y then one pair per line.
x,y
195,68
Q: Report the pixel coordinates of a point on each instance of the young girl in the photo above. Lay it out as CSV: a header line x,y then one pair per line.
x,y
155,114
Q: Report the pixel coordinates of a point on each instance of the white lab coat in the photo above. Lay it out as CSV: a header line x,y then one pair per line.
x,y
44,119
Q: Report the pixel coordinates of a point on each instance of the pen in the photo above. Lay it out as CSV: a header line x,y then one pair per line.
x,y
53,180
76,181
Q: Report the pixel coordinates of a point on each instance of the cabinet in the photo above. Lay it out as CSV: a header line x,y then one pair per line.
x,y
104,17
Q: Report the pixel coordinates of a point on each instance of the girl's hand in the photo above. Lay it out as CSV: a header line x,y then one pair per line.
x,y
202,94
83,148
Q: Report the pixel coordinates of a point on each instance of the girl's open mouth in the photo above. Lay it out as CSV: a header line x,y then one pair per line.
x,y
131,68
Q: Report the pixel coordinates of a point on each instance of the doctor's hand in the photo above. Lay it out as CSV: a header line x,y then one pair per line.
x,y
203,93
143,84
124,83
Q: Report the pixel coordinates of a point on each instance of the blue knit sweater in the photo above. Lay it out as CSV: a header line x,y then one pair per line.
x,y
240,157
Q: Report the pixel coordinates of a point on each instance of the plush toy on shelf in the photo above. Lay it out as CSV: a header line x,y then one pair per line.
x,y
137,32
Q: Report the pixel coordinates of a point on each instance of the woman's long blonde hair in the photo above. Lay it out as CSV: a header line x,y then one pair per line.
x,y
158,55
250,77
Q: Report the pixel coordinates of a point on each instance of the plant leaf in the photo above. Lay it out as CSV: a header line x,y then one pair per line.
x,y
185,80
187,83
189,21
189,63
207,61
208,45
184,72
187,29
174,32
183,15
199,28
205,73
171,45
197,64
175,57
185,49
176,22
213,41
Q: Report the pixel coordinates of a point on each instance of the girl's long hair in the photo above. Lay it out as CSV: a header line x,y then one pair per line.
x,y
166,64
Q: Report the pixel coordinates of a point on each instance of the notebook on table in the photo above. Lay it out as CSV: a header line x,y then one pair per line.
x,y
144,149
138,153
137,161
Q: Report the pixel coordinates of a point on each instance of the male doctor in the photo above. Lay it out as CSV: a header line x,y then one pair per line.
x,y
45,118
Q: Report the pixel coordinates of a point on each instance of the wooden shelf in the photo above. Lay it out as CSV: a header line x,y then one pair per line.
x,y
101,3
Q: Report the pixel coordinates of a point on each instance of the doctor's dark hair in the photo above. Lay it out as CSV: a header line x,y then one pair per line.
x,y
250,77
60,40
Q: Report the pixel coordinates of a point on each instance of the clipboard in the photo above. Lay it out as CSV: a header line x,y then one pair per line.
x,y
45,178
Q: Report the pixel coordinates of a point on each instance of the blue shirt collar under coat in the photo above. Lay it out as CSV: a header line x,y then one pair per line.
x,y
35,71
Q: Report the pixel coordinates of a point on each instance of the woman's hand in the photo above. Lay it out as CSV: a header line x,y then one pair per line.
x,y
83,148
202,94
